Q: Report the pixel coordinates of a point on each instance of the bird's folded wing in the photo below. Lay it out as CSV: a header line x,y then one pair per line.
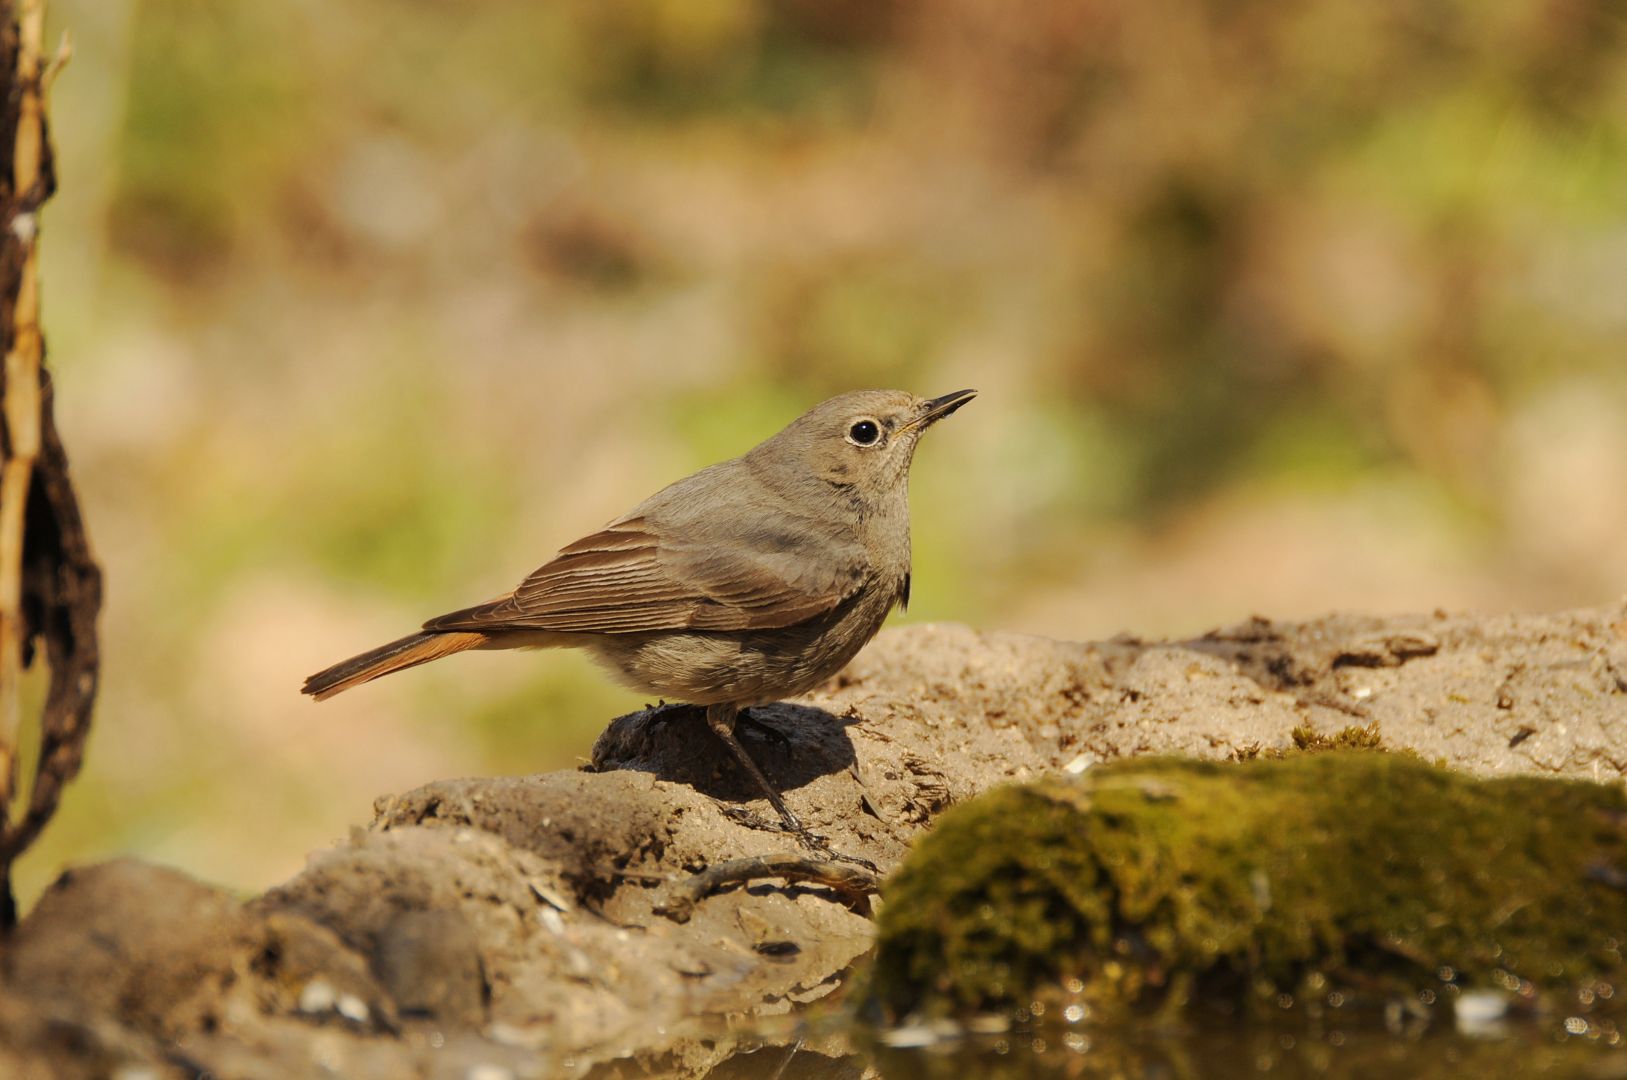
x,y
627,579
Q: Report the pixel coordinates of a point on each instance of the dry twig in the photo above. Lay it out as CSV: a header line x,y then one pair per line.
x,y
22,388
851,881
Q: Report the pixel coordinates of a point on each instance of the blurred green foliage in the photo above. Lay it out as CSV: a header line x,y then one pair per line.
x,y
215,98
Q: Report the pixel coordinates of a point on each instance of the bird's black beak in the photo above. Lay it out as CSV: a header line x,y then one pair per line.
x,y
939,407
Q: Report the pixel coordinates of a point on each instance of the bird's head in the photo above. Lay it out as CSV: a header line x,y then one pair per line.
x,y
862,441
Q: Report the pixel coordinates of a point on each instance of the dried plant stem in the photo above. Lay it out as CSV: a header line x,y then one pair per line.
x,y
50,585
846,879
22,389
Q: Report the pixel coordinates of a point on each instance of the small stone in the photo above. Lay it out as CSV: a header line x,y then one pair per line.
x,y
549,895
1480,1011
909,1037
352,1008
429,962
317,997
488,1071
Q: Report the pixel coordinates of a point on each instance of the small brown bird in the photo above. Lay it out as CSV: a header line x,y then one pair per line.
x,y
752,580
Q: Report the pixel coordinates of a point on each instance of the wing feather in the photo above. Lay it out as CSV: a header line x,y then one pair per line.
x,y
628,578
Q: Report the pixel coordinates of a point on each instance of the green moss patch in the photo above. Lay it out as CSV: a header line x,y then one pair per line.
x,y
1305,739
1334,878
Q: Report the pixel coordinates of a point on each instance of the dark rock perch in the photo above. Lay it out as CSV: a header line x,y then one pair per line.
x,y
513,922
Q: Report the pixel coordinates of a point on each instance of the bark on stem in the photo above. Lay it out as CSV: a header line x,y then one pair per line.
x,y
22,389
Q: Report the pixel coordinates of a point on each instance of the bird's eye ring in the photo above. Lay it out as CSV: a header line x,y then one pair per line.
x,y
864,433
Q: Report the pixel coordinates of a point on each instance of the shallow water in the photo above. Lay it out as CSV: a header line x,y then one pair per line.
x,y
831,1050
1252,1052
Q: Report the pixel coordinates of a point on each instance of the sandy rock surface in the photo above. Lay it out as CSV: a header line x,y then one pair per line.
x,y
511,923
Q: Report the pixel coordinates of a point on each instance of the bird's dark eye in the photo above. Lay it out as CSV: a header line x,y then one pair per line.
x,y
864,433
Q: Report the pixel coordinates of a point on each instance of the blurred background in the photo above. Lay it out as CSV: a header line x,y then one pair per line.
x,y
359,311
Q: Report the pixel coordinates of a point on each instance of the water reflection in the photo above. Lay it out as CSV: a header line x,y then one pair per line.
x,y
1329,1055
1091,1053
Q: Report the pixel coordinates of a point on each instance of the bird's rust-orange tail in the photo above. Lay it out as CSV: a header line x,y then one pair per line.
x,y
410,651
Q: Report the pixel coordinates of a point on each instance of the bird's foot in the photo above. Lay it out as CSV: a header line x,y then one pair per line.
x,y
806,837
820,846
740,815
762,823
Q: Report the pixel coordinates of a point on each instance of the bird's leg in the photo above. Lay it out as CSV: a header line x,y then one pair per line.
x,y
721,719
762,727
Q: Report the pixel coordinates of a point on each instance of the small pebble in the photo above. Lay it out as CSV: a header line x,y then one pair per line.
x,y
352,1008
1480,1012
908,1038
487,1071
317,997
